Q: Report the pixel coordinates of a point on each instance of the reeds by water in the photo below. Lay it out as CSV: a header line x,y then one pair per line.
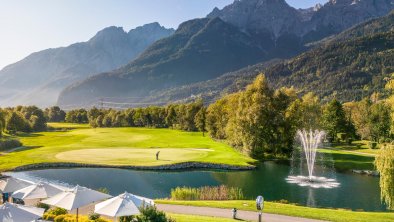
x,y
207,193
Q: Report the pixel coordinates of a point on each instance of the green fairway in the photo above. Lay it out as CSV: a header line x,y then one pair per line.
x,y
293,210
77,143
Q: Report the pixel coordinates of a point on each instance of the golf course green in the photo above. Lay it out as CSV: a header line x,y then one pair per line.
x,y
76,143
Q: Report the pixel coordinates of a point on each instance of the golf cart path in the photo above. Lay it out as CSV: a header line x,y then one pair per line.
x,y
227,213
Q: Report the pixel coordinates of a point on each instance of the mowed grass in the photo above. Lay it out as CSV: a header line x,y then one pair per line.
x,y
345,161
194,218
360,147
119,146
293,210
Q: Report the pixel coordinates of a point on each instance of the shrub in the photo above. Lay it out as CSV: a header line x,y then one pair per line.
x,y
207,193
44,206
148,214
71,218
372,145
9,144
94,216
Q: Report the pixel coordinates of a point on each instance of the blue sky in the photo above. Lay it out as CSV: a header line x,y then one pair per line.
x,y
28,26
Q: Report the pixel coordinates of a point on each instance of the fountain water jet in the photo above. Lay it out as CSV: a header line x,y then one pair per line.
x,y
310,141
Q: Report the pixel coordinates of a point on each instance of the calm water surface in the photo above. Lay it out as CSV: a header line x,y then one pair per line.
x,y
355,192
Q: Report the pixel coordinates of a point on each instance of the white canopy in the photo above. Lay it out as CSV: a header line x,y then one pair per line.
x,y
75,198
10,212
125,204
40,190
11,184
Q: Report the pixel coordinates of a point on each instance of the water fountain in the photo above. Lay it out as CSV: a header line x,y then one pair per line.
x,y
310,141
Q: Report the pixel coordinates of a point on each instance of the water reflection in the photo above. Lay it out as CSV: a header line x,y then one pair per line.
x,y
355,192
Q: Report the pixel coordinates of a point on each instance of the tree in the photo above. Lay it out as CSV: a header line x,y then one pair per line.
x,y
77,116
380,121
384,163
334,119
257,120
55,114
171,117
37,123
217,117
359,113
2,122
200,120
16,122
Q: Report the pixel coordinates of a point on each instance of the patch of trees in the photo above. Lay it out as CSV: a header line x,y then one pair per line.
x,y
22,119
261,121
188,117
77,116
55,114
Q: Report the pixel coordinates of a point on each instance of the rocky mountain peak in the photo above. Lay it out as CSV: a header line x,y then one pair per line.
x,y
108,34
317,7
274,16
150,27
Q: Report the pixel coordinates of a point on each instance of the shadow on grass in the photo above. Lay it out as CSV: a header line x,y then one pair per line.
x,y
29,134
24,148
344,162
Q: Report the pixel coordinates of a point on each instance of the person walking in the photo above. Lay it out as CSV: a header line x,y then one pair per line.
x,y
157,155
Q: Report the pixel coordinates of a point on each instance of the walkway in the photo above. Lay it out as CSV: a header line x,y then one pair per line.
x,y
226,213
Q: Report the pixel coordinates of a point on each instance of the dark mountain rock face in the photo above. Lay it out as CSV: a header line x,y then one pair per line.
x,y
338,15
39,78
276,18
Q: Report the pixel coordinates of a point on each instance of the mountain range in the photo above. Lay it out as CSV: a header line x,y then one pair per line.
x,y
217,54
39,78
301,70
264,29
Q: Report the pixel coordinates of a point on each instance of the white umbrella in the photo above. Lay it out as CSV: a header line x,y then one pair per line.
x,y
125,204
75,198
10,212
11,184
40,190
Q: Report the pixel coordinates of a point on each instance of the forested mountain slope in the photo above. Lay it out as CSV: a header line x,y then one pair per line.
x,y
234,81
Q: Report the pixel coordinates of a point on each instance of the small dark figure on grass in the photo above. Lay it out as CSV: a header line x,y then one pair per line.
x,y
157,155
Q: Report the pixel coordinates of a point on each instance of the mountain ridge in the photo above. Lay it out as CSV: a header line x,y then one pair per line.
x,y
201,48
38,78
238,80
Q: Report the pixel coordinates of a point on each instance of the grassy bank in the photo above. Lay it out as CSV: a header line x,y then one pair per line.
x,y
193,218
77,143
345,161
293,210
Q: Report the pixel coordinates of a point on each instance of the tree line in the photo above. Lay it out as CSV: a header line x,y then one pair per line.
x,y
259,121
28,118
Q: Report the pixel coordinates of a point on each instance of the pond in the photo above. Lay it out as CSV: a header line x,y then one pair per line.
x,y
355,191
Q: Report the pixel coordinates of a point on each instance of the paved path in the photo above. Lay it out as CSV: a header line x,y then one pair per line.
x,y
226,213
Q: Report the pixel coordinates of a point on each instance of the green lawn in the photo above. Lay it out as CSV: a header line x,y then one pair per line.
x,y
345,161
352,156
193,218
293,210
119,146
360,146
